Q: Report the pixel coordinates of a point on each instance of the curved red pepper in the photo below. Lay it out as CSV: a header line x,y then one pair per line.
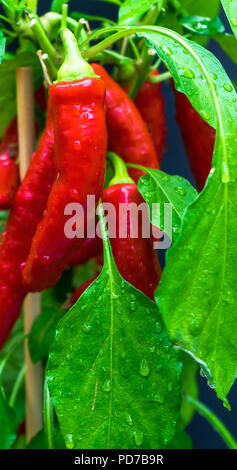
x,y
27,210
127,132
80,158
136,259
90,248
150,102
9,170
198,138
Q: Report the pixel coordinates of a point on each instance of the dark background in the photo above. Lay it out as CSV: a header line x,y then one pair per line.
x,y
175,162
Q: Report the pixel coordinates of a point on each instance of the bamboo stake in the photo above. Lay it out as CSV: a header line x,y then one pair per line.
x,y
32,304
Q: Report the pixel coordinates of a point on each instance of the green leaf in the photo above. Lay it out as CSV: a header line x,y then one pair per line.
x,y
229,45
76,15
181,440
8,423
113,375
43,331
131,10
56,5
202,26
159,188
8,84
2,46
230,7
201,318
190,387
208,8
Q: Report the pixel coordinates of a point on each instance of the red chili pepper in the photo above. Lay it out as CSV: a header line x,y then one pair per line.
x,y
150,102
90,248
134,255
127,132
198,138
136,259
27,210
80,158
9,170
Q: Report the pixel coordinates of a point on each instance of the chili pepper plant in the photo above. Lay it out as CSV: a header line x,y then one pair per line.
x,y
121,340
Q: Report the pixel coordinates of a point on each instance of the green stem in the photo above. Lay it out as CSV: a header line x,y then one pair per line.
x,y
42,38
33,4
17,386
214,421
121,173
48,418
64,15
113,57
160,78
45,45
74,66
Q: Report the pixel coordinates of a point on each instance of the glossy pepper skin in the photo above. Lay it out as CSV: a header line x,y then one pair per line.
x,y
80,159
127,132
198,138
90,248
150,102
9,170
27,210
136,259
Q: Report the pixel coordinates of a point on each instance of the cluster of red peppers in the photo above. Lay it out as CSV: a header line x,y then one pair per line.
x,y
88,114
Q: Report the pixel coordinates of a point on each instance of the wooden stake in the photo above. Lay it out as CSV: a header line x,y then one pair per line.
x,y
32,304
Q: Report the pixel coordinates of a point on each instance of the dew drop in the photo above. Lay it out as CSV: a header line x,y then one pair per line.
x,y
170,387
133,306
86,328
106,387
69,441
158,327
205,114
129,420
144,368
138,438
187,73
228,87
233,21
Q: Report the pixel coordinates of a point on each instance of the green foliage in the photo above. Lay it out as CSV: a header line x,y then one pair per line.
x,y
190,387
159,188
230,7
2,46
113,376
206,8
8,423
202,26
56,5
198,321
8,84
228,43
131,10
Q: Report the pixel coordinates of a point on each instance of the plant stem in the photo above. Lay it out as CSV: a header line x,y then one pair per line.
x,y
214,421
121,173
42,38
160,78
17,386
45,45
48,418
64,15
